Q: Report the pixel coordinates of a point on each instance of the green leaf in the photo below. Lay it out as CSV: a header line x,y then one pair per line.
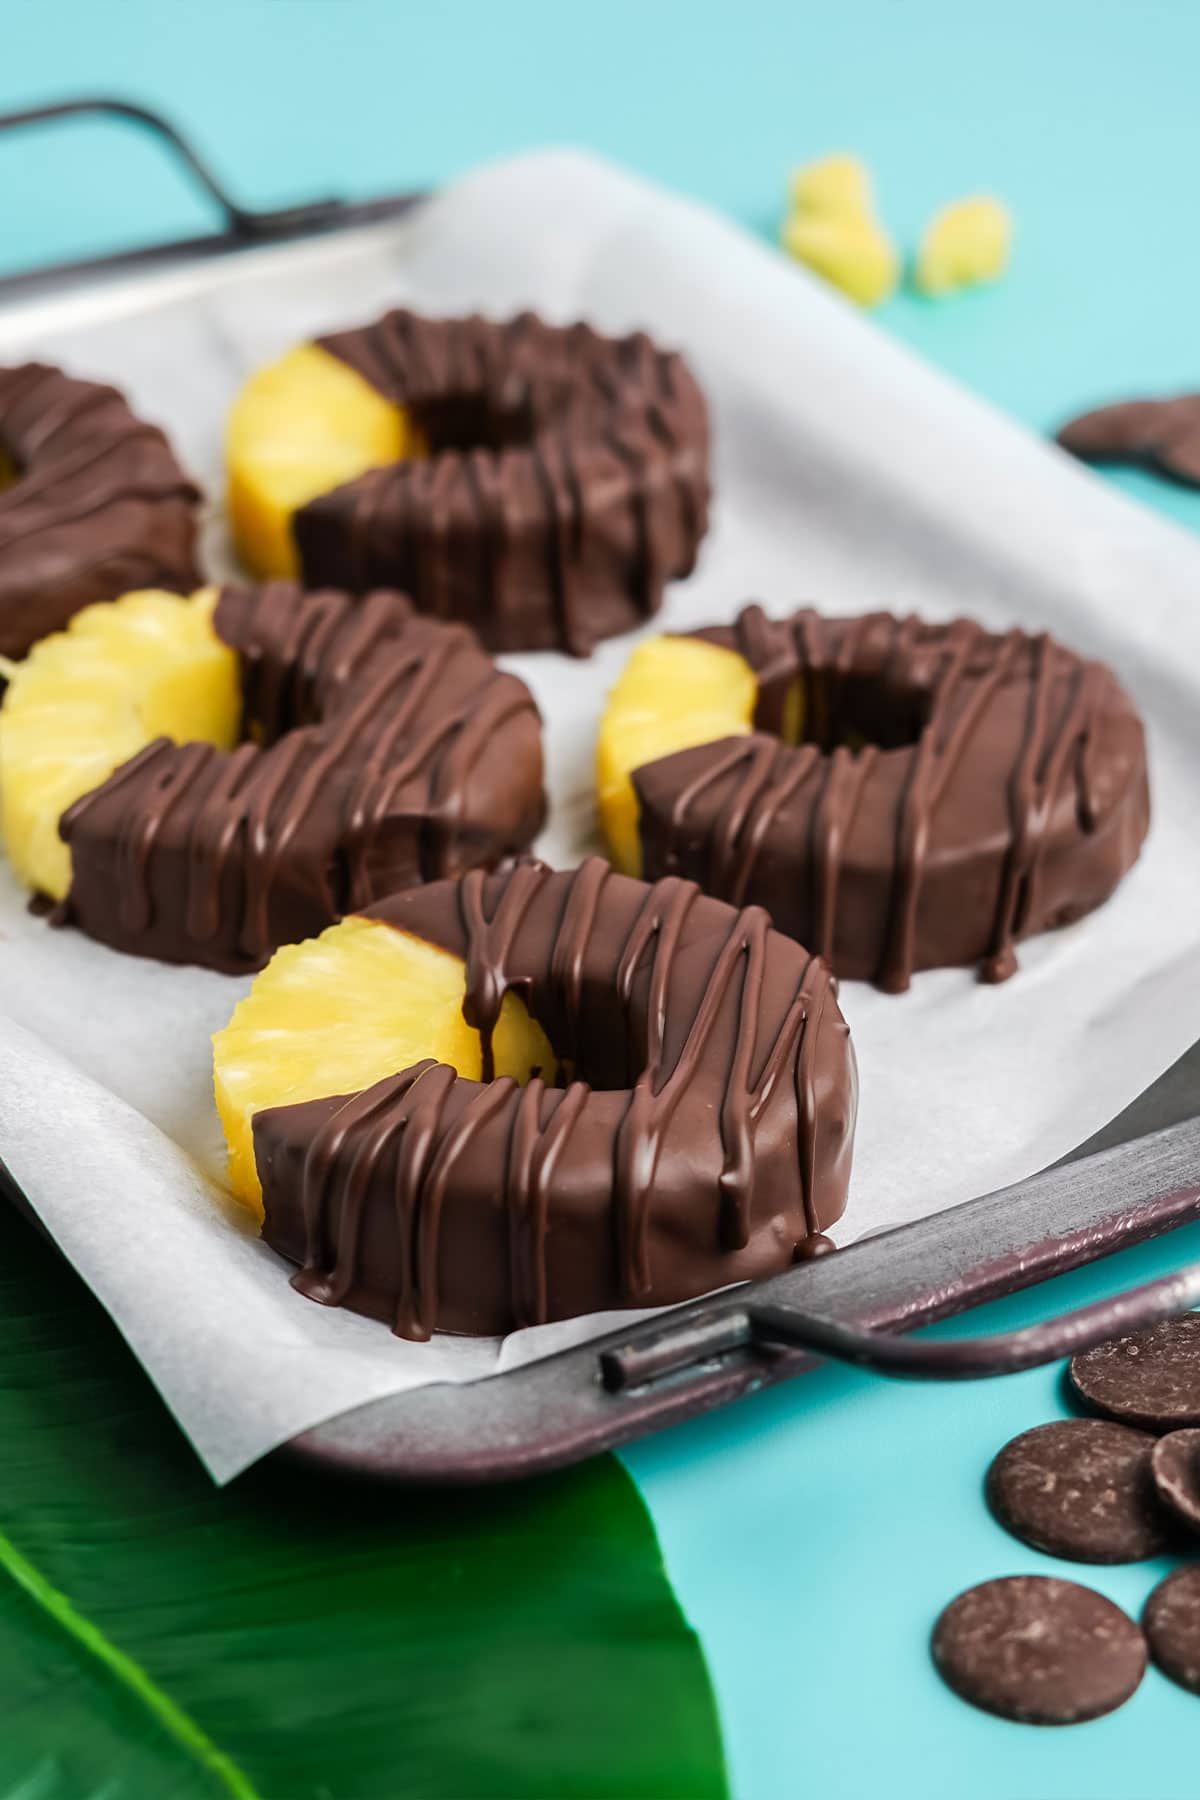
x,y
68,1728
293,1638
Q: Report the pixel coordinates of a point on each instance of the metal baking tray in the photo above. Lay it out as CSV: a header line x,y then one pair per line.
x,y
1137,1179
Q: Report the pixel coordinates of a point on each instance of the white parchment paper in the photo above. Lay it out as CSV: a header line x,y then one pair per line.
x,y
848,474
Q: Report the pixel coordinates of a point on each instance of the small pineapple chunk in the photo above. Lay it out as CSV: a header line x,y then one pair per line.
x,y
674,693
854,254
341,1011
300,428
966,242
88,698
837,186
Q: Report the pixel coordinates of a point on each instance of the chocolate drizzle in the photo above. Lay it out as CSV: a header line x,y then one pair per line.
x,y
702,1135
1004,792
384,749
567,479
99,506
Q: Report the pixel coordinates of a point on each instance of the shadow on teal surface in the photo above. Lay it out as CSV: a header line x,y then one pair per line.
x,y
815,1532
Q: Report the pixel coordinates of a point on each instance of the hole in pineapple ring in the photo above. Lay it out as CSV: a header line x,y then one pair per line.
x,y
679,693
10,469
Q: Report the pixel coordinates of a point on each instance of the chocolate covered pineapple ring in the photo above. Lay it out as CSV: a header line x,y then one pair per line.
x,y
380,749
540,482
900,795
92,503
701,1135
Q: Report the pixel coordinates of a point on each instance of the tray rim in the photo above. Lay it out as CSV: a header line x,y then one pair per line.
x,y
897,1280
80,294
556,1410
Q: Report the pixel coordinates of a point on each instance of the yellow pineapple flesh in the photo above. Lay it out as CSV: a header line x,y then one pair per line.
x,y
854,254
674,693
833,228
341,1011
88,698
837,186
300,428
967,242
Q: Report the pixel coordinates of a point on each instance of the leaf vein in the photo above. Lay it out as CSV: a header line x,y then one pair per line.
x,y
88,1635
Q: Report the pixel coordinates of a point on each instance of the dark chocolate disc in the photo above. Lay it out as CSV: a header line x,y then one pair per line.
x,y
1080,1488
1039,1650
1175,1466
1172,1625
1163,434
1150,1378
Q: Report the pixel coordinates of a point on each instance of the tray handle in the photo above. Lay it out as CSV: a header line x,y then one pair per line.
x,y
769,1329
244,224
242,227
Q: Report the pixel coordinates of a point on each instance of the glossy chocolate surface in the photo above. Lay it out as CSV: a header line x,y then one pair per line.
x,y
703,1135
99,505
993,787
382,749
567,479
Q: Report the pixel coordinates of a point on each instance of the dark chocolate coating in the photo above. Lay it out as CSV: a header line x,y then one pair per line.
x,y
1002,790
99,506
1172,1625
1162,434
705,1131
1083,1489
382,749
567,480
1039,1650
1149,1378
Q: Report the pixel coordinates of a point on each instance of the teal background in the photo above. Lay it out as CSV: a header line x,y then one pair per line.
x,y
813,1533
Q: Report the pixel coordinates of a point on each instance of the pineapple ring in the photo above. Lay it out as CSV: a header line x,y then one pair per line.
x,y
939,791
87,699
540,483
701,1136
674,693
92,503
299,428
382,749
325,1017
